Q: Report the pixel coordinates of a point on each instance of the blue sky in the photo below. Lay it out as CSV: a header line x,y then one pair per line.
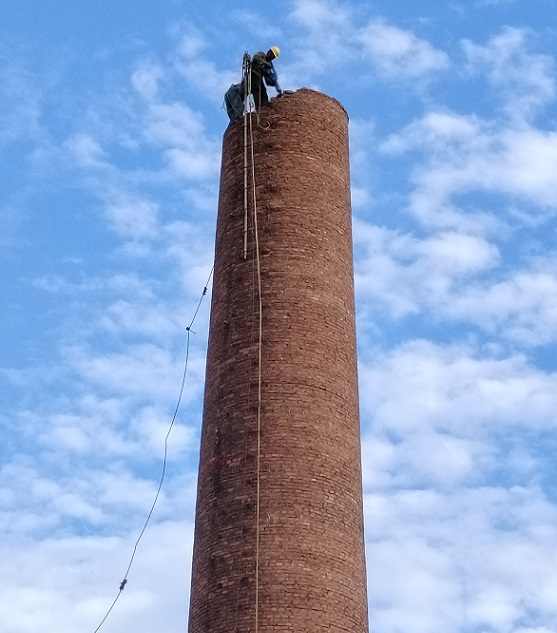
x,y
110,146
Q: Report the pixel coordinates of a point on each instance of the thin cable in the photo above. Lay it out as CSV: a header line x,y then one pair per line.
x,y
259,381
165,458
110,609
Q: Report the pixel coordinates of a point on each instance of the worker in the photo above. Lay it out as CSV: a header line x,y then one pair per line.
x,y
259,72
263,73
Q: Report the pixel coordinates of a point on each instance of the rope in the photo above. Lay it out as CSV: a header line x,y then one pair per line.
x,y
246,69
165,458
259,380
248,125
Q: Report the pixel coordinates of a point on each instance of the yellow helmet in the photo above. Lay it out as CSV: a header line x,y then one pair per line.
x,y
275,50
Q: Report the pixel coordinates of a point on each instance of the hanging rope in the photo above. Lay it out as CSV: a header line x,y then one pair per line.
x,y
165,458
249,165
259,375
246,79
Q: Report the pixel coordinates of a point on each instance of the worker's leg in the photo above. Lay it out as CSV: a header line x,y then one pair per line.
x,y
264,97
258,91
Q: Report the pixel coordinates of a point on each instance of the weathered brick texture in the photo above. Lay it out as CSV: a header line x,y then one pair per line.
x,y
311,549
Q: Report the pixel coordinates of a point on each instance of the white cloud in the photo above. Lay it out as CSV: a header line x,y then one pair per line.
x,y
257,24
406,273
133,218
190,152
12,219
419,575
317,12
192,165
146,79
468,156
152,424
192,63
191,40
457,277
360,198
140,319
193,252
173,124
20,103
526,165
474,553
326,25
441,129
485,3
421,387
525,79
522,307
143,371
423,458
81,576
86,151
87,425
336,36
362,137
398,53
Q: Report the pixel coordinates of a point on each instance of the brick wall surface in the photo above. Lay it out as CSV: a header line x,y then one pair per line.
x,y
310,555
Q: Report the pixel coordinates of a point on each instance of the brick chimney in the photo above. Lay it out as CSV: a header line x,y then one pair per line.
x,y
279,527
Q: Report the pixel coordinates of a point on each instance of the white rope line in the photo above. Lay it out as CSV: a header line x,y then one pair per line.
x,y
259,380
246,79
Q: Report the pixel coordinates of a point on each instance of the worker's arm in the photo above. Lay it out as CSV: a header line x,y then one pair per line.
x,y
271,78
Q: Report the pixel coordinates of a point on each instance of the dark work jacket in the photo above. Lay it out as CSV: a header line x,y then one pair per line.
x,y
264,69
